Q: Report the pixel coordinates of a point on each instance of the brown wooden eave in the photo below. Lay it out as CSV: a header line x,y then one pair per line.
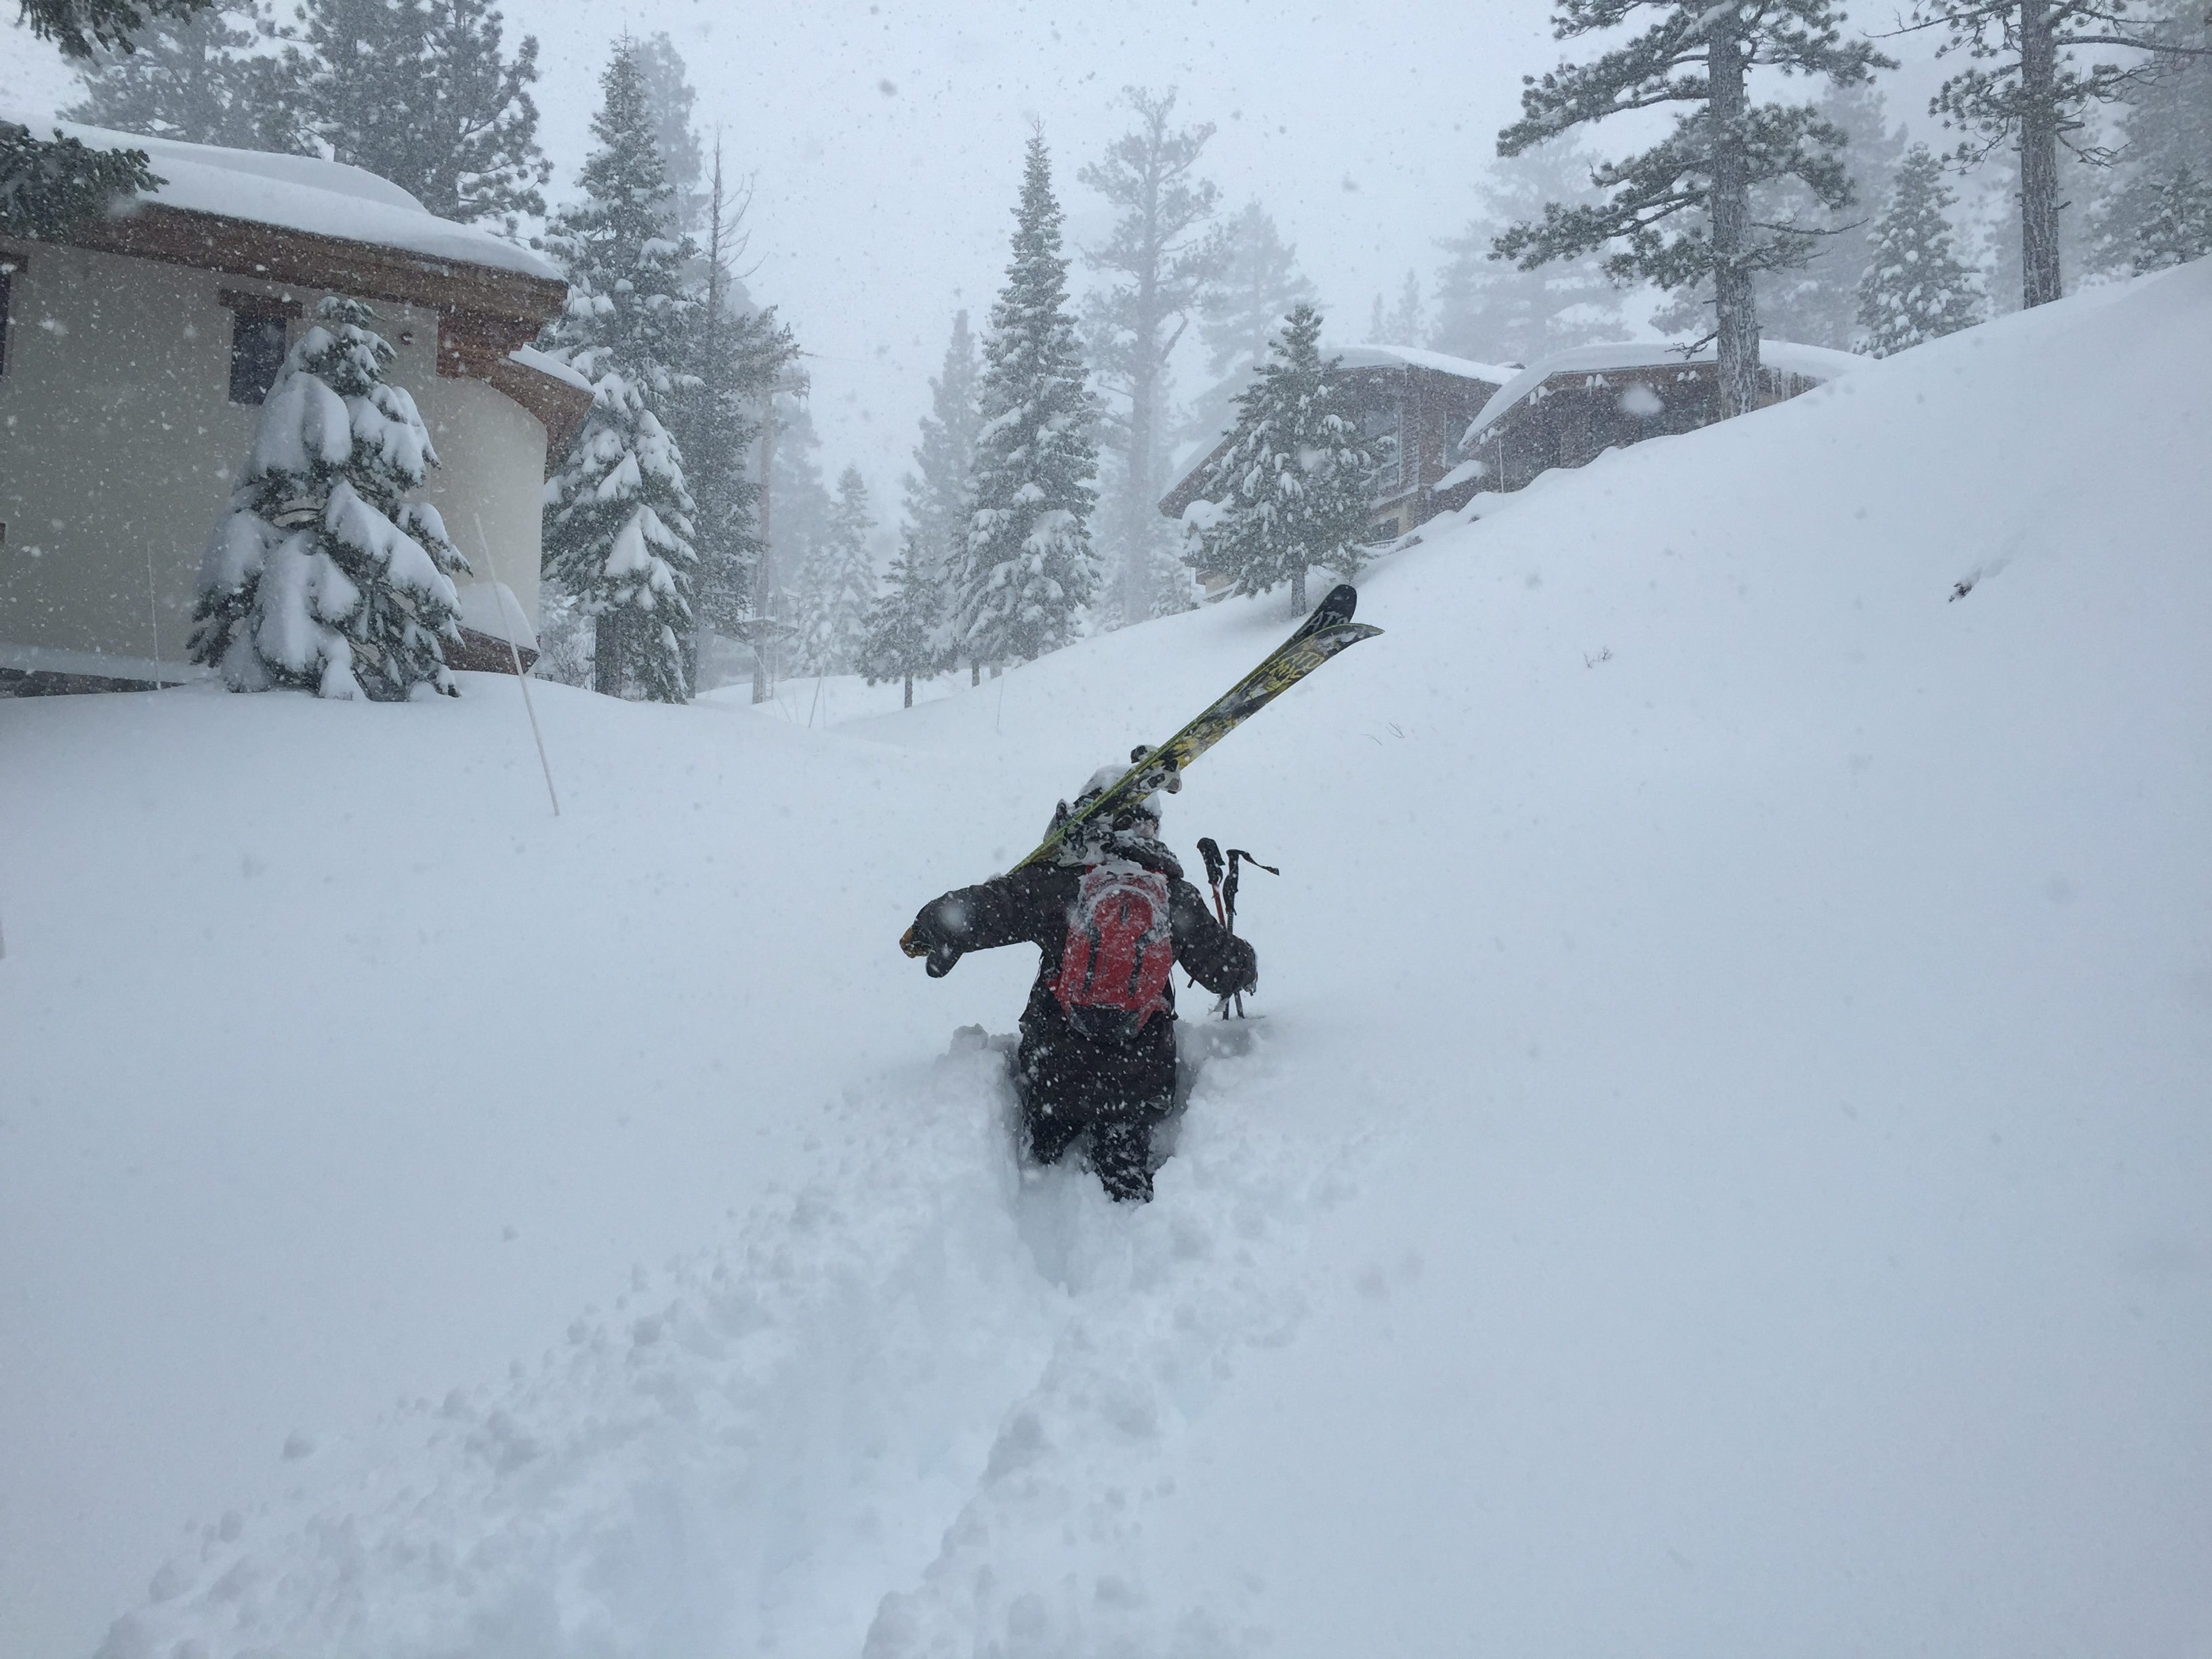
x,y
240,247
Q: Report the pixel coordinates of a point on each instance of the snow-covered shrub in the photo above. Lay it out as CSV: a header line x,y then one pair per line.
x,y
324,575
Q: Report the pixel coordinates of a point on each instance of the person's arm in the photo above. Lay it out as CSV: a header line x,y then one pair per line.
x,y
1001,911
1215,957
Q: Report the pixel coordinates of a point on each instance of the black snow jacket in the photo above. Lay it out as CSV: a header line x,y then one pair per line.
x,y
1033,905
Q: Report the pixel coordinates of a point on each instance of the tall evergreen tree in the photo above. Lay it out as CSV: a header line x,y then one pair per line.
x,y
422,93
1493,311
1917,288
48,185
1256,280
2167,115
1292,489
2178,228
1406,323
1702,55
618,513
837,588
323,574
794,519
671,96
736,356
1027,570
936,504
201,79
1815,303
2025,85
901,640
1157,262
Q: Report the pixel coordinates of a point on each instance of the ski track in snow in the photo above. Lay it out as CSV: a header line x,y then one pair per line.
x,y
753,1449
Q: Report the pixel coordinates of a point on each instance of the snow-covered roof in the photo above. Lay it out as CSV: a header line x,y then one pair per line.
x,y
1815,362
1370,356
546,363
304,193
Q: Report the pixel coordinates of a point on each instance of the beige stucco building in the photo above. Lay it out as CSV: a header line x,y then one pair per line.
x,y
133,357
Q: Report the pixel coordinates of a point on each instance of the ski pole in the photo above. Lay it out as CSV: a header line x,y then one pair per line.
x,y
1229,896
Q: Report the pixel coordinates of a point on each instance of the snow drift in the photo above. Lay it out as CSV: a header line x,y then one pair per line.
x,y
1724,1170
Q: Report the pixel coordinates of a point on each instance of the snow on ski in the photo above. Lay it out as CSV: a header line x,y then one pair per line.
x,y
1328,631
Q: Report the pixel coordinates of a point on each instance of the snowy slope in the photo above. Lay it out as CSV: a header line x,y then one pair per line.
x,y
1725,1173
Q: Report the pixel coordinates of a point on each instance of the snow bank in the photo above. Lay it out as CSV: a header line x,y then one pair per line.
x,y
1725,1173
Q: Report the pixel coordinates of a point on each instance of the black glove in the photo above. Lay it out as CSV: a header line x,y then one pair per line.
x,y
921,940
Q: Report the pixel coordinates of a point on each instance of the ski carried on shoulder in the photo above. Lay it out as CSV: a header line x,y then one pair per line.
x,y
1320,636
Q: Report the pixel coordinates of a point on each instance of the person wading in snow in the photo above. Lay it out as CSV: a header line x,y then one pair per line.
x,y
1113,917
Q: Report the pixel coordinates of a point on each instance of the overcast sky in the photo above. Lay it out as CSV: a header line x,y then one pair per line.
x,y
886,140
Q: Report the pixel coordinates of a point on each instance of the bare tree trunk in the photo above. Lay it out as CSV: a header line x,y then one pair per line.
x,y
763,584
1736,310
2040,278
607,664
910,691
1298,590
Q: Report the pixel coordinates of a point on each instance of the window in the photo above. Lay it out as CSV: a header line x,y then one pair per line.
x,y
257,342
1379,423
257,352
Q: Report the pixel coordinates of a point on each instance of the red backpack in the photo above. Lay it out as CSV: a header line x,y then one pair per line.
x,y
1121,949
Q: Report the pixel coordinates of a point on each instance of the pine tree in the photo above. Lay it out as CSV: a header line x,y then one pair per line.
x,y
671,97
735,355
1703,56
1491,310
324,575
1815,303
2026,85
1917,288
2180,225
838,588
1292,489
1256,280
1027,571
618,513
1407,322
901,635
420,92
49,184
199,79
1158,262
2168,133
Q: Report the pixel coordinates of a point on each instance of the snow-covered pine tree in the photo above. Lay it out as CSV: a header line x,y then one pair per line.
x,y
838,588
1407,322
1916,287
901,641
2168,143
618,513
422,93
1816,302
671,97
2026,85
48,185
1027,571
2178,226
1491,310
201,79
324,575
738,353
1256,281
1703,56
1292,489
1158,263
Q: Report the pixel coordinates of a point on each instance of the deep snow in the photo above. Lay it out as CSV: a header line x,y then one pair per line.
x,y
1725,1173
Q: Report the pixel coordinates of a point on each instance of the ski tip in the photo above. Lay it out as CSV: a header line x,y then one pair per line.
x,y
1339,603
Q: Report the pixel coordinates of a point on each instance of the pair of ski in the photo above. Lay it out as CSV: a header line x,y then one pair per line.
x,y
1329,630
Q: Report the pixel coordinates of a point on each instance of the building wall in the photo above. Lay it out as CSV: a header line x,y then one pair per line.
x,y
118,446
